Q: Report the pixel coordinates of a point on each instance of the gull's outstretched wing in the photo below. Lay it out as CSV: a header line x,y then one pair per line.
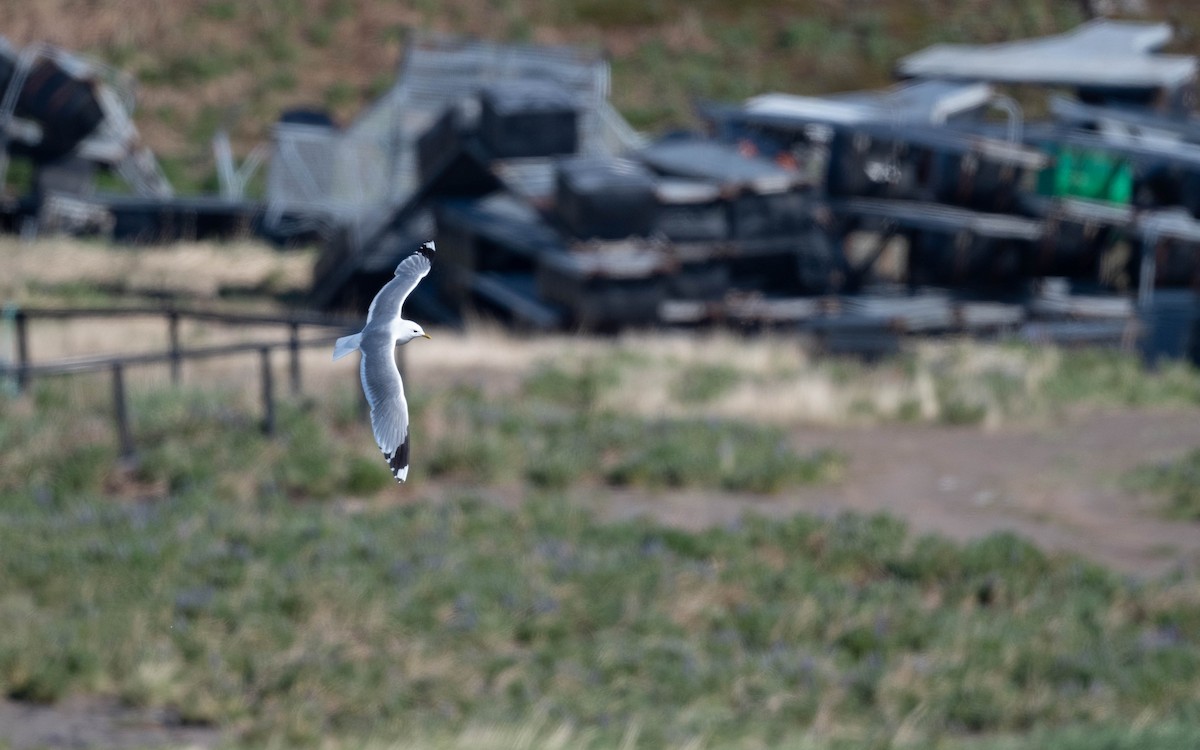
x,y
385,393
387,303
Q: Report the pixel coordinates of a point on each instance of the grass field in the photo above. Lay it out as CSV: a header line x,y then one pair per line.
x,y
295,623
287,593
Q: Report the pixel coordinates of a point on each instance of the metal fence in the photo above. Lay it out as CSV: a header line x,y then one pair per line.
x,y
24,369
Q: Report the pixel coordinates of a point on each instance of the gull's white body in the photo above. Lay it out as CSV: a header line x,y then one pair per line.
x,y
385,328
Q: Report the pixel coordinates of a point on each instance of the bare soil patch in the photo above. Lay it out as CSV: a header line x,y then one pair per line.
x,y
97,724
1057,484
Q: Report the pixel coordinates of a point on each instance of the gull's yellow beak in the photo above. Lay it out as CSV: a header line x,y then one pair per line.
x,y
426,335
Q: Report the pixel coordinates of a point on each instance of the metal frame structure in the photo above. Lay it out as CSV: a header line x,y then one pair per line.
x,y
327,180
115,141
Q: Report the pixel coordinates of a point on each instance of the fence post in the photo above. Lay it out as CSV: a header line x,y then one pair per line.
x,y
22,324
268,391
121,412
173,337
294,354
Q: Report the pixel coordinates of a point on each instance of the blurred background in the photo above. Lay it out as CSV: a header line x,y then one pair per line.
x,y
803,374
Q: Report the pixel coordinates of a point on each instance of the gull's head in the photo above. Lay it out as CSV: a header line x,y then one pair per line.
x,y
409,331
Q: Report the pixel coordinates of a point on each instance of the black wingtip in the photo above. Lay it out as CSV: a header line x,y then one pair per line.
x,y
427,249
398,462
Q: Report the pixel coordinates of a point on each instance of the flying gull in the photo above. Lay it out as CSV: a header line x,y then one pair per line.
x,y
377,341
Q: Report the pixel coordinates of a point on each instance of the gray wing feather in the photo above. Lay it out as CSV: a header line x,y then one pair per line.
x,y
386,306
385,394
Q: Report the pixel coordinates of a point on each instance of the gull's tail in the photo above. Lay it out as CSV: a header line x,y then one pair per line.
x,y
346,344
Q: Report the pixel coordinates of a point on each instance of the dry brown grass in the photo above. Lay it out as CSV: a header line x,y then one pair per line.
x,y
776,380
32,271
68,272
771,379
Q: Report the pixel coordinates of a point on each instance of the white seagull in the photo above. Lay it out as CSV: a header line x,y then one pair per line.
x,y
377,341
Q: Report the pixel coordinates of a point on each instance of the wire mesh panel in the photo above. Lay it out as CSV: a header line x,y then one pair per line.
x,y
320,177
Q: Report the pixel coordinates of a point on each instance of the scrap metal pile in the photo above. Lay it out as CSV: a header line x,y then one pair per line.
x,y
930,206
69,117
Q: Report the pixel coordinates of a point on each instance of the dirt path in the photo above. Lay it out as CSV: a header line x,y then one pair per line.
x,y
94,723
1057,484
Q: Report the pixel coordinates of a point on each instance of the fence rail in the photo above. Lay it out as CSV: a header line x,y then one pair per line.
x,y
24,369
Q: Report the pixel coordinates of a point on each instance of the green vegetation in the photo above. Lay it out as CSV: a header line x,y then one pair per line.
x,y
702,384
1015,381
206,442
1111,378
293,623
189,69
1161,736
555,433
954,383
222,578
1177,482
